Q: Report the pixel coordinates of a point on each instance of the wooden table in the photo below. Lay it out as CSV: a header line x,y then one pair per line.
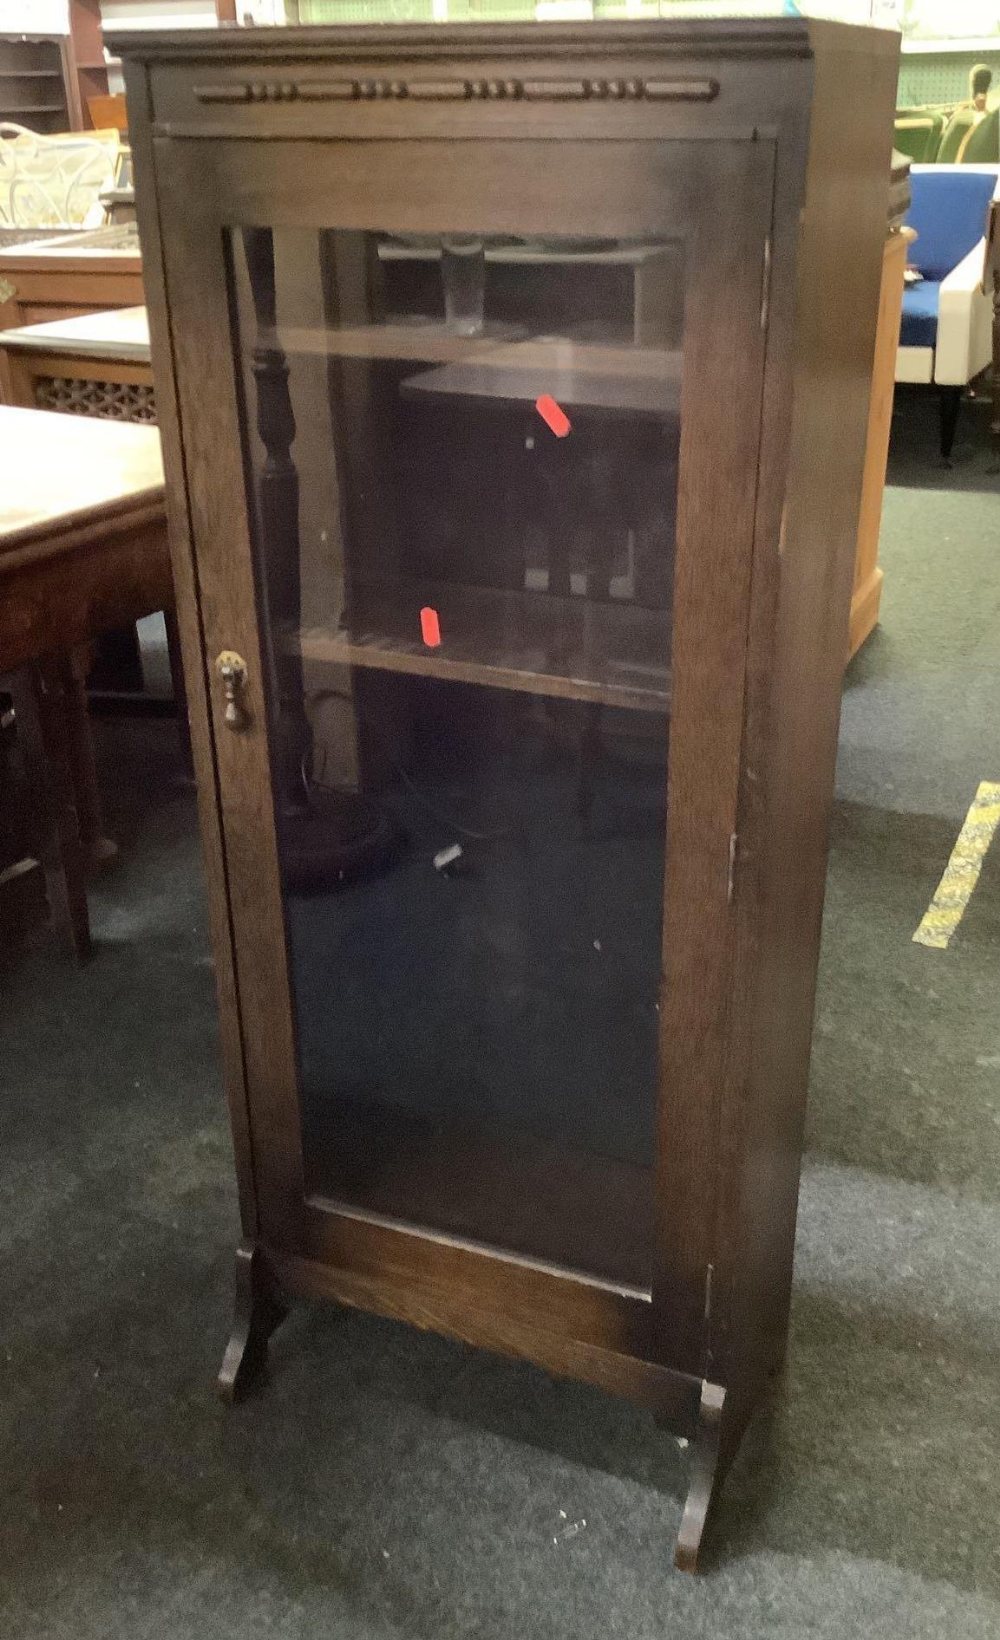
x,y
58,275
96,364
83,547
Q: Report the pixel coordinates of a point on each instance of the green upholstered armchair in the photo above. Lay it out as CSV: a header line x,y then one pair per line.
x,y
918,133
955,133
982,145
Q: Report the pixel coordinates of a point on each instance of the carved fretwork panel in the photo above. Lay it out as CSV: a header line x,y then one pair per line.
x,y
110,401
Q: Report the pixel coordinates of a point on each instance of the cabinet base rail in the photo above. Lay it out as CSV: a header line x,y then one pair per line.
x,y
696,1409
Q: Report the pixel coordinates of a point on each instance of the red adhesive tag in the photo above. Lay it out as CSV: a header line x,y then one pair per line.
x,y
553,415
430,627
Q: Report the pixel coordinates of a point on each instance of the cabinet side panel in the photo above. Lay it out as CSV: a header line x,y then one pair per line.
x,y
803,577
192,641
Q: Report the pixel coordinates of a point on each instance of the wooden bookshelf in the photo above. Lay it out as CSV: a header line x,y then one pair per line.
x,y
87,47
36,83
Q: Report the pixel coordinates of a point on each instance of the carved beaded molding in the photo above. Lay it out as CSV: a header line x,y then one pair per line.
x,y
614,90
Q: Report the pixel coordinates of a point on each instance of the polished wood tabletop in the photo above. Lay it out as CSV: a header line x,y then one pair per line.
x,y
116,333
62,473
113,247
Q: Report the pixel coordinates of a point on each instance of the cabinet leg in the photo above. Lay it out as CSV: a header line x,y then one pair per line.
x,y
258,1310
706,1476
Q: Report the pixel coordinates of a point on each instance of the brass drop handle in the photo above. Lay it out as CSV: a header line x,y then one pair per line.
x,y
232,669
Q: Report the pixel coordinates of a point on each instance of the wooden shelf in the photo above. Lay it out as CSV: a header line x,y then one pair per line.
x,y
504,346
570,648
507,366
415,341
36,66
535,253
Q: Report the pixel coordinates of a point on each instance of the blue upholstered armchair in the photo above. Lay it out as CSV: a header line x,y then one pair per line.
x,y
945,337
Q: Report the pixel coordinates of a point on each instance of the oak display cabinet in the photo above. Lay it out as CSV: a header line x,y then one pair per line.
x,y
514,422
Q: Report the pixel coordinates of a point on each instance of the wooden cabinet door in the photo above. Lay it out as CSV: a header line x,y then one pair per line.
x,y
471,432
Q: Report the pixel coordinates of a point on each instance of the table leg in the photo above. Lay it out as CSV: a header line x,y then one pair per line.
x,y
97,847
40,708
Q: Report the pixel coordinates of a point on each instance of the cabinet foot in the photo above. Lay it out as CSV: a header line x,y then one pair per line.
x,y
258,1310
706,1477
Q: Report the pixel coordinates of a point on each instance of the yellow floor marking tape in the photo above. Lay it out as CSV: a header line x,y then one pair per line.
x,y
961,874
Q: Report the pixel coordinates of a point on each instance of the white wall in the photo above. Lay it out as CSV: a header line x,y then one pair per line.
x,y
34,17
168,14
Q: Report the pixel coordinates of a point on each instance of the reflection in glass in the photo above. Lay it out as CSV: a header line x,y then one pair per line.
x,y
463,274
462,456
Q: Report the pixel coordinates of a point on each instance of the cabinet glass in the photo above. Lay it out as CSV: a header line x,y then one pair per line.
x,y
461,457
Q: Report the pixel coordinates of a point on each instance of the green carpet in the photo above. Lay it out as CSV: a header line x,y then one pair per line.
x,y
392,1486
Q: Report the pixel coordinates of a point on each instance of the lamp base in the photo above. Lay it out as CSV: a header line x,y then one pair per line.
x,y
333,838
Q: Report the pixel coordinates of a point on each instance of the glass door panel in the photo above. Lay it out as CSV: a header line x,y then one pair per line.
x,y
462,456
